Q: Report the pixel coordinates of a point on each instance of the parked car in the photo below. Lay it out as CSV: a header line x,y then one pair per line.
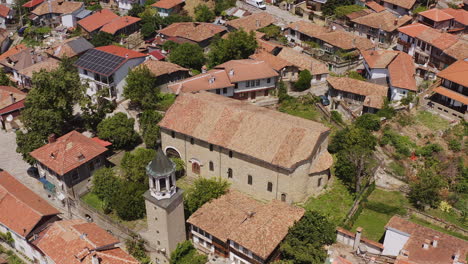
x,y
33,172
21,31
324,100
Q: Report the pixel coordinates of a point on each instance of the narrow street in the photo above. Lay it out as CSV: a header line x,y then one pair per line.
x,y
282,16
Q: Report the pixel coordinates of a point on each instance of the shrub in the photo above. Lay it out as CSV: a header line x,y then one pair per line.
x,y
336,116
105,184
368,121
118,129
134,164
129,203
342,11
303,83
454,145
203,191
428,150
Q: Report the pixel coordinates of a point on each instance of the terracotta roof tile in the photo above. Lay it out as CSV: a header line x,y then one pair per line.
x,y
303,61
201,82
252,22
119,23
48,64
121,52
21,208
451,94
407,4
228,218
459,50
323,162
430,35
75,242
457,72
5,92
97,20
12,51
274,61
379,59
374,6
401,71
374,93
58,7
274,137
383,20
436,15
446,247
460,15
159,68
68,152
4,11
359,13
346,40
167,4
70,47
308,28
33,3
194,31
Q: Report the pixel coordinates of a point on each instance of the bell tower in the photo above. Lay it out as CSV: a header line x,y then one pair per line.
x,y
164,208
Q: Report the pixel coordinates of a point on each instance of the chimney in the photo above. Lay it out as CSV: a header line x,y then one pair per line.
x,y
257,23
212,79
203,69
404,253
51,138
426,243
357,238
231,72
13,99
95,259
456,256
395,22
435,241
126,55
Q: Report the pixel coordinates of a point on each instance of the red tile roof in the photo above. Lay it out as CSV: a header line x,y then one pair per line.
x,y
460,15
401,71
5,99
457,72
119,23
157,54
57,7
374,93
436,15
68,152
13,107
33,3
97,20
76,242
451,94
121,52
275,62
253,22
4,10
167,4
407,4
12,51
21,209
385,21
102,142
193,31
374,6
447,245
430,35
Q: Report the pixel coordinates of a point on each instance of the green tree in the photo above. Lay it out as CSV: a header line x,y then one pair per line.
x,y
271,31
426,189
149,126
203,191
204,14
5,80
169,45
330,6
185,253
305,241
136,247
303,83
342,11
368,121
283,92
49,106
102,39
118,129
188,55
141,87
93,112
134,164
136,10
238,45
129,203
387,110
356,75
105,184
222,5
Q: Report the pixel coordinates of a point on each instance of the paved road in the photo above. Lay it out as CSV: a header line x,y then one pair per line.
x,y
282,16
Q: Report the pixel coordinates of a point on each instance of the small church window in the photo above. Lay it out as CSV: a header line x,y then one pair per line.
x,y
230,154
192,141
173,134
319,183
196,168
249,179
211,147
283,197
211,166
162,185
229,173
270,186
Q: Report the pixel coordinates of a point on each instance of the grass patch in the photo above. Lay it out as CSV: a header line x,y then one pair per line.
x,y
165,102
435,227
334,204
92,200
295,107
450,217
434,122
381,206
397,168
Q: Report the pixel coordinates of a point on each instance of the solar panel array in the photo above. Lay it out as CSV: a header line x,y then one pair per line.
x,y
99,61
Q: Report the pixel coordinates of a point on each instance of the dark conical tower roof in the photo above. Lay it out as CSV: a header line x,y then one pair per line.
x,y
161,165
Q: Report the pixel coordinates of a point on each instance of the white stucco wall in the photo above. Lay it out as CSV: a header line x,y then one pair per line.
x,y
229,91
23,246
323,78
396,94
394,242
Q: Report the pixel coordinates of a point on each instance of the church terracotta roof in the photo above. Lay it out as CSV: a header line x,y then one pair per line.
x,y
271,136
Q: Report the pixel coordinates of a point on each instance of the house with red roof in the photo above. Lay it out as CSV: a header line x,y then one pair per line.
x,y
6,14
448,19
125,25
127,4
11,103
107,21
23,214
394,69
451,96
167,7
30,5
67,163
56,12
431,48
107,67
